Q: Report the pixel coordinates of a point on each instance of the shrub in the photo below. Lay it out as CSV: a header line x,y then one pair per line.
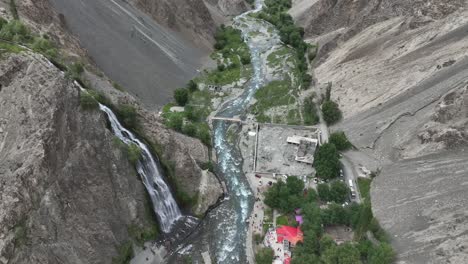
x,y
181,96
192,86
331,112
128,116
207,166
142,234
133,153
15,31
190,130
175,121
221,67
340,140
87,101
245,60
204,135
45,47
75,70
125,254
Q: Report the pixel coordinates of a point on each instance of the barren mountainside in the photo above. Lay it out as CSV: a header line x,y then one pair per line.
x,y
399,73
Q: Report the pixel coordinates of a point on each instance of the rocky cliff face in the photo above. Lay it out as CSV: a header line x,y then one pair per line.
x,y
196,19
182,154
67,193
398,71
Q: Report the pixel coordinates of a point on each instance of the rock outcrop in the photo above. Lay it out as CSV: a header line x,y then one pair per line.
x,y
68,194
182,154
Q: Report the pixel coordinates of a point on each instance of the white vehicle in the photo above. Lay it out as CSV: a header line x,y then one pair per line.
x,y
351,184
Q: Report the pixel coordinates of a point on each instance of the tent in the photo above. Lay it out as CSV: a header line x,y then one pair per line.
x,y
292,234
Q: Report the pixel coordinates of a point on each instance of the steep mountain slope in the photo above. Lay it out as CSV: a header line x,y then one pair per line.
x,y
59,163
197,20
399,71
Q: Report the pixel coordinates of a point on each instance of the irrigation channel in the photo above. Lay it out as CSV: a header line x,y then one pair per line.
x,y
225,228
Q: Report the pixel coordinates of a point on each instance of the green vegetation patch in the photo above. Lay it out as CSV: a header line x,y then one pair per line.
x,y
364,188
125,253
340,140
276,93
142,234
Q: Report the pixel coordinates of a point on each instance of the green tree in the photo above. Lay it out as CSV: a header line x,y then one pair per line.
x,y
175,122
343,254
264,256
203,133
323,191
181,96
192,86
340,140
331,112
190,130
381,254
245,60
339,192
295,185
305,259
327,163
326,242
312,219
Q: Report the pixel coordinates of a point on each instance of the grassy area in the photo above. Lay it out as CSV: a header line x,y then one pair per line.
x,y
364,188
282,220
9,48
274,94
277,57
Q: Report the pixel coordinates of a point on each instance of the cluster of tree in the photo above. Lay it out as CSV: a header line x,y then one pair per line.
x,y
337,192
320,248
331,112
275,12
286,197
226,36
192,129
182,95
264,256
340,141
310,111
327,161
330,109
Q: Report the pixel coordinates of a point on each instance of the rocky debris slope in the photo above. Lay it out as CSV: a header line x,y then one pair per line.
x,y
184,155
399,73
67,192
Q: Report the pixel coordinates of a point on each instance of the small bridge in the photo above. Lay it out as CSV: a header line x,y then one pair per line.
x,y
237,120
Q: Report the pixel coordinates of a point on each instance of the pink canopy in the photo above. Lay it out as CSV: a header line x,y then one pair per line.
x,y
299,219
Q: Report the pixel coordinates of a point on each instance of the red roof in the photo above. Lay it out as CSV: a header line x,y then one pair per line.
x,y
287,261
292,234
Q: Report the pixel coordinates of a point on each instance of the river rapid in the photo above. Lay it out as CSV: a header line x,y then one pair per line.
x,y
224,231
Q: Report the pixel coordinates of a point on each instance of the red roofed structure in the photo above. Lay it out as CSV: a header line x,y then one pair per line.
x,y
292,234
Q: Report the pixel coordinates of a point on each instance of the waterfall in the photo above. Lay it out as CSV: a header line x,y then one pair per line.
x,y
164,205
